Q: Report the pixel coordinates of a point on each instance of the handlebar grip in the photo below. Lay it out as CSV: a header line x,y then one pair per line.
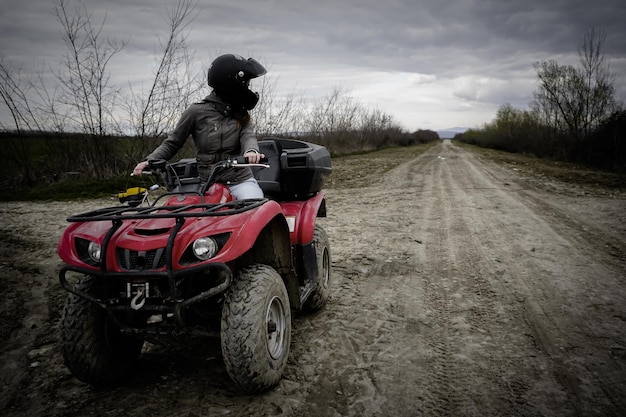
x,y
132,174
244,160
157,164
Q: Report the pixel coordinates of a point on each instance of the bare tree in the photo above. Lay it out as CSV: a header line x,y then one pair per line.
x,y
333,113
558,96
12,95
344,125
276,115
174,82
86,82
598,100
49,111
576,99
14,92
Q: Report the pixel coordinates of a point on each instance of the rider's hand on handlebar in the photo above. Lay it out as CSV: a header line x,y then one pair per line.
x,y
140,168
253,157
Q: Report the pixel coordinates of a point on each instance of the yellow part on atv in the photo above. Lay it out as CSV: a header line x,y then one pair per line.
x,y
133,195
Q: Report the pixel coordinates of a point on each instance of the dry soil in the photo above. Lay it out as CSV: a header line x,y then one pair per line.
x,y
460,287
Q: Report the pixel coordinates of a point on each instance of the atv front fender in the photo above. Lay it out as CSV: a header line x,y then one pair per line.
x,y
245,237
264,239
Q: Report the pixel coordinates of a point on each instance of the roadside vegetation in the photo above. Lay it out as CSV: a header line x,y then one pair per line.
x,y
542,171
574,116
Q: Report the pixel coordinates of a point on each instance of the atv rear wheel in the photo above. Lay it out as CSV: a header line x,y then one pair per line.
x,y
256,329
321,293
93,348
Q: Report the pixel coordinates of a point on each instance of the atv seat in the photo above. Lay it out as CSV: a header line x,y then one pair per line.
x,y
269,178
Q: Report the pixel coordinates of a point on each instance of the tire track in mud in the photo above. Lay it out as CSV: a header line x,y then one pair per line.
x,y
375,317
526,307
493,311
362,313
460,302
440,303
545,273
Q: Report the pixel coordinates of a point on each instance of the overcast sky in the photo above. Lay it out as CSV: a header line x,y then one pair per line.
x,y
431,64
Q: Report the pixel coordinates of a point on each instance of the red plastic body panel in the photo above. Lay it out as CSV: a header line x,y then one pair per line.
x,y
150,234
94,231
301,217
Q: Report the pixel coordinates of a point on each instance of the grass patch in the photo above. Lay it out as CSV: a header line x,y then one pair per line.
x,y
557,170
71,189
364,169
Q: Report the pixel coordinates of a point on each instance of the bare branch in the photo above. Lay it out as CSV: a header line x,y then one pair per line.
x,y
172,85
86,83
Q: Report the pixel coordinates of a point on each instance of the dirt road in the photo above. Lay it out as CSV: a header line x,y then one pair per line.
x,y
460,288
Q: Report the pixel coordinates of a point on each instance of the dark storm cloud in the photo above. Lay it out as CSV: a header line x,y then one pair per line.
x,y
417,36
369,33
478,51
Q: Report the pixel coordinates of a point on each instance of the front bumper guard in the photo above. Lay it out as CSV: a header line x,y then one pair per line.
x,y
175,306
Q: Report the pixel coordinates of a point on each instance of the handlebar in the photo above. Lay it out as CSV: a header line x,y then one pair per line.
x,y
157,166
242,162
132,174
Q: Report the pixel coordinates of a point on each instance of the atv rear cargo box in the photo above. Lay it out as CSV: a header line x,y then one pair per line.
x,y
298,169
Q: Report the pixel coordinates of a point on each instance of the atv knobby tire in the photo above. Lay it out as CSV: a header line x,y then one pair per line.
x,y
256,329
321,293
93,348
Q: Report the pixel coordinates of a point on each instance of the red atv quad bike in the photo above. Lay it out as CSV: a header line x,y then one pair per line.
x,y
197,262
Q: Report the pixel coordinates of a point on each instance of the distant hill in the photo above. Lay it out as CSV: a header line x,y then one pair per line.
x,y
449,133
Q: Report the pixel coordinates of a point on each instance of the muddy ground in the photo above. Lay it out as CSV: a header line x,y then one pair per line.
x,y
461,286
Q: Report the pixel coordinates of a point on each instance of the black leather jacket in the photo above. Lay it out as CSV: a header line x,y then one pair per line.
x,y
216,136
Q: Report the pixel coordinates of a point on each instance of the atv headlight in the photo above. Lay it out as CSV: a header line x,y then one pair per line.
x,y
205,248
94,251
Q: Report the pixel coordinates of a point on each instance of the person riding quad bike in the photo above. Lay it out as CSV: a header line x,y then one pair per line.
x,y
201,259
220,125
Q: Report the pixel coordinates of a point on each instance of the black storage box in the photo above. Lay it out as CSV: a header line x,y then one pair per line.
x,y
297,168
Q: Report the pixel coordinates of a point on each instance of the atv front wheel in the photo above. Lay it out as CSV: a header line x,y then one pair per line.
x,y
256,329
321,293
93,348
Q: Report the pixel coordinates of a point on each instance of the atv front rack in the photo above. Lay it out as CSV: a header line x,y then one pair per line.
x,y
167,212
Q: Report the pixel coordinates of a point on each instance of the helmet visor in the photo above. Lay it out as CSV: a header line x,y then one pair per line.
x,y
253,69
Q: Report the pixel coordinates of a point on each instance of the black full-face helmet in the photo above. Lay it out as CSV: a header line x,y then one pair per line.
x,y
230,74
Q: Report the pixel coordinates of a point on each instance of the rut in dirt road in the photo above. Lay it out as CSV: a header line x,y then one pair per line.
x,y
473,297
